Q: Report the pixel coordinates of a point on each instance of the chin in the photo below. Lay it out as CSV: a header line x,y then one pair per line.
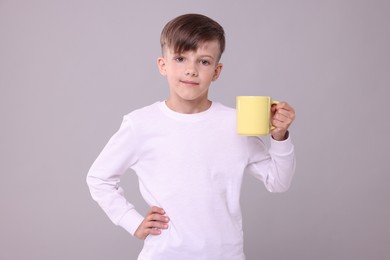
x,y
191,99
194,96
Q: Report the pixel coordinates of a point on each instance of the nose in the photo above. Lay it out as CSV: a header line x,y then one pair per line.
x,y
191,70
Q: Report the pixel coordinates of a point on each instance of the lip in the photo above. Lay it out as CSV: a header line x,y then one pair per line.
x,y
190,83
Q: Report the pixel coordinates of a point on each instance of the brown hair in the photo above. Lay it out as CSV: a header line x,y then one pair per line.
x,y
186,32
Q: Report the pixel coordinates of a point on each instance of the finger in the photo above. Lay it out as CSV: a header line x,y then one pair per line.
x,y
149,228
156,209
153,222
153,231
278,108
156,224
142,232
158,217
284,113
283,117
273,108
149,231
288,110
284,105
281,121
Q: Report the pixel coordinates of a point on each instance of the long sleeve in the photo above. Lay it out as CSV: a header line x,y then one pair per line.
x,y
275,167
187,163
104,176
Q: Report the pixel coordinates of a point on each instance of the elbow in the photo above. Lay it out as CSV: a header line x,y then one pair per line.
x,y
89,180
281,182
278,186
90,184
282,189
93,185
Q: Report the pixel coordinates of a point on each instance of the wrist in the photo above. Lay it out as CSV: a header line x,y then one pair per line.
x,y
280,136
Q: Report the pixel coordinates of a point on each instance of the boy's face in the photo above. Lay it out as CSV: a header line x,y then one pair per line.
x,y
190,74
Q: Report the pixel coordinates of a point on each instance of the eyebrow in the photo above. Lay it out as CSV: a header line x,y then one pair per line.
x,y
207,56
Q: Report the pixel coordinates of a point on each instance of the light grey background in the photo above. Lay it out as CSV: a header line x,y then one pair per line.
x,y
69,71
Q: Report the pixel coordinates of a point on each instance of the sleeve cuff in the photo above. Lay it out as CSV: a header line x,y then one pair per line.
x,y
284,147
131,221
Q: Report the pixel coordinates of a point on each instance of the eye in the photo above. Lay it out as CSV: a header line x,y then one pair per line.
x,y
205,62
179,59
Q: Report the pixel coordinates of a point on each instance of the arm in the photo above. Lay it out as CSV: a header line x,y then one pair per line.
x,y
276,166
104,176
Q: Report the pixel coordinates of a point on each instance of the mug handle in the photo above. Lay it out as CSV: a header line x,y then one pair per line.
x,y
273,103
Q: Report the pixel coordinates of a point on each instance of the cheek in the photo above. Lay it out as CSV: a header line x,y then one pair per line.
x,y
206,72
211,75
175,69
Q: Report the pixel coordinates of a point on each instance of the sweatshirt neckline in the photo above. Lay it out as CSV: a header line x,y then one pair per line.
x,y
186,117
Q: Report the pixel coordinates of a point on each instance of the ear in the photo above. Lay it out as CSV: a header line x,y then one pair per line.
x,y
217,71
161,66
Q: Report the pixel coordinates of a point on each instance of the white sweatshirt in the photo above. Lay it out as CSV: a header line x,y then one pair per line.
x,y
192,166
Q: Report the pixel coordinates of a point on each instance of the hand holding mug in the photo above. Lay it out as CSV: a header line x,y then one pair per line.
x,y
282,117
260,115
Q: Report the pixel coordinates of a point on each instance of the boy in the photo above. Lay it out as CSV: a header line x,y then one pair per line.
x,y
188,157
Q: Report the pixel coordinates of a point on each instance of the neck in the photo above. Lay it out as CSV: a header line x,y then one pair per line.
x,y
189,107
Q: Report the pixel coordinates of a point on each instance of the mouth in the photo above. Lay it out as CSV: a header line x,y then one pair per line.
x,y
189,83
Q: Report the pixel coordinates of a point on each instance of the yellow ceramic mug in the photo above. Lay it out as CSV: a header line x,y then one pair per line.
x,y
254,115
